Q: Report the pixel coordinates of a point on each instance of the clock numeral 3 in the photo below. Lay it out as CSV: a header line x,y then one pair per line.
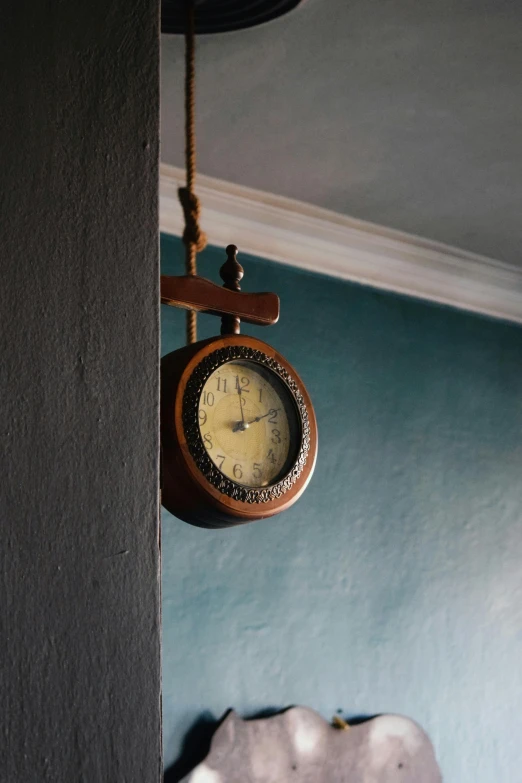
x,y
208,441
277,436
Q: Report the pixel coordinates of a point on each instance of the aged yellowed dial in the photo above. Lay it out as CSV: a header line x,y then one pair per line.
x,y
249,423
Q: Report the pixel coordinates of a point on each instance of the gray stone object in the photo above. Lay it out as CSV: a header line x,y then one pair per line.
x,y
299,745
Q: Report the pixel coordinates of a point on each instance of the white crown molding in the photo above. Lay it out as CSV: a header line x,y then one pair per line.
x,y
308,237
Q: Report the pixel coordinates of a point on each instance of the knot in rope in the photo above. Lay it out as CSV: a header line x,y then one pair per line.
x,y
192,234
193,237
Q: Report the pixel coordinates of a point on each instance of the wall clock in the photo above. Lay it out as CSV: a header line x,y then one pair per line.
x,y
238,430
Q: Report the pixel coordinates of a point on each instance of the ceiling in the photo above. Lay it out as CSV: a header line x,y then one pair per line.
x,y
406,113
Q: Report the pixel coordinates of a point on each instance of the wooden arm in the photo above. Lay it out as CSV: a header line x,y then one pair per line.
x,y
197,293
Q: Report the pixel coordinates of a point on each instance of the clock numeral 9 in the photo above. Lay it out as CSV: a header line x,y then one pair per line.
x,y
208,441
202,417
277,436
208,399
238,473
257,470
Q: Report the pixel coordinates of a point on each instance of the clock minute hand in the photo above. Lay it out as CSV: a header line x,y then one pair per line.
x,y
241,425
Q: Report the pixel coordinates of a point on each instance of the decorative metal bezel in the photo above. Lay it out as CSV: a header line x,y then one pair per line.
x,y
195,444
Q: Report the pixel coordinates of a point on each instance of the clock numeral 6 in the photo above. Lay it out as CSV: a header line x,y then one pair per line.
x,y
202,417
238,473
208,441
257,470
277,436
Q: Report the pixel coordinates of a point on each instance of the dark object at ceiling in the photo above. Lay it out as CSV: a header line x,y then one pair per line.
x,y
221,16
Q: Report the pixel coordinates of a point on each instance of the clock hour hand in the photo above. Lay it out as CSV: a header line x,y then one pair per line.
x,y
243,425
258,418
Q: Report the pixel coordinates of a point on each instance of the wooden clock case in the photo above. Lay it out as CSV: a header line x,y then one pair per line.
x,y
186,491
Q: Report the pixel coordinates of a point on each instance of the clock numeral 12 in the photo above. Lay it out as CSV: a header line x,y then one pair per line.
x,y
242,388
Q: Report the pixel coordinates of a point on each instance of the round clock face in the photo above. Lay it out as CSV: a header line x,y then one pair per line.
x,y
249,423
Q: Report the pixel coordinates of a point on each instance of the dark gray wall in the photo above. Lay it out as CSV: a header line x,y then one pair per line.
x,y
394,584
79,336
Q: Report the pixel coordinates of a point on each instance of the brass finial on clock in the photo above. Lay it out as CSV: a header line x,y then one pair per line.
x,y
231,273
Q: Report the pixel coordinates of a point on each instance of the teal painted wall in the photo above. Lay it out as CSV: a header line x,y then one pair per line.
x,y
395,584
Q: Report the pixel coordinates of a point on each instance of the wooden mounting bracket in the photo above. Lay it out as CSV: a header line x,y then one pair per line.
x,y
192,292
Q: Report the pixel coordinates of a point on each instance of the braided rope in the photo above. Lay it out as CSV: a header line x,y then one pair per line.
x,y
193,237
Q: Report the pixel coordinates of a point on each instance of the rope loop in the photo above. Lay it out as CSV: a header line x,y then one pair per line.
x,y
192,235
